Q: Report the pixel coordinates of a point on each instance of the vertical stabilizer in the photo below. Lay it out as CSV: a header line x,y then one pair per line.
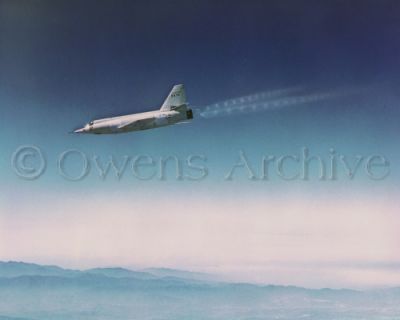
x,y
176,98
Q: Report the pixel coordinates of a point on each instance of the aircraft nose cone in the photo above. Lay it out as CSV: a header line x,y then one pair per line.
x,y
79,131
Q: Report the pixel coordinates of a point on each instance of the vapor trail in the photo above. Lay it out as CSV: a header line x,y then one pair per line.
x,y
253,98
267,102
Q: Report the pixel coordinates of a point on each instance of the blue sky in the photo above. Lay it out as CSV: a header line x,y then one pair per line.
x,y
65,63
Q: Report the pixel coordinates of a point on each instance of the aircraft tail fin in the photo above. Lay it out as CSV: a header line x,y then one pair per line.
x,y
176,98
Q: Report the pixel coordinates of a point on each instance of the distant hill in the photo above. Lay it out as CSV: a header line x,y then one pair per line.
x,y
182,274
15,269
32,292
121,273
12,269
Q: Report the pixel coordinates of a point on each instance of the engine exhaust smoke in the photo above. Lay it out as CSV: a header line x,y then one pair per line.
x,y
268,100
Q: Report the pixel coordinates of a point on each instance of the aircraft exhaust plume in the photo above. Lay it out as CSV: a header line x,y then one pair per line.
x,y
252,98
267,101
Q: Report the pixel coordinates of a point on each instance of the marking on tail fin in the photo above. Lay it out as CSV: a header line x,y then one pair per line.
x,y
176,98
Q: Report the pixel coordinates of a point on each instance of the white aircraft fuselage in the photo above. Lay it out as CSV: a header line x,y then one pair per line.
x,y
173,110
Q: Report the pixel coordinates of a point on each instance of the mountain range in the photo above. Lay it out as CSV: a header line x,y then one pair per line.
x,y
31,291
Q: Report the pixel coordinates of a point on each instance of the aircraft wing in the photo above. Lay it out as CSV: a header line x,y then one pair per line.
x,y
137,124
